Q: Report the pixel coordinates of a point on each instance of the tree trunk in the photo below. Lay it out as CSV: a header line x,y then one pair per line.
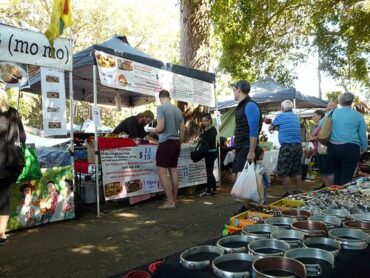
x,y
194,53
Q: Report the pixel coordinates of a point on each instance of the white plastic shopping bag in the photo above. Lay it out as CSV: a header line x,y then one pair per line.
x,y
245,186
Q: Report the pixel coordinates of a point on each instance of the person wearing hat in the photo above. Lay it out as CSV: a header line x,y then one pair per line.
x,y
248,120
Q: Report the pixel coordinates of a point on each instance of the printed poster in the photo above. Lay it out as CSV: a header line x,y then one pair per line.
x,y
131,171
53,101
121,73
48,199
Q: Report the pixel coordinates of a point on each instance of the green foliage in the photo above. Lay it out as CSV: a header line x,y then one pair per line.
x,y
342,31
271,37
333,96
260,37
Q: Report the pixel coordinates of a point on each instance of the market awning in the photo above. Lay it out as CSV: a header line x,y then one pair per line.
x,y
84,60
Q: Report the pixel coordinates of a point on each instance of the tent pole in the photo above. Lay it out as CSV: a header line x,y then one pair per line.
x,y
218,138
71,134
96,146
295,105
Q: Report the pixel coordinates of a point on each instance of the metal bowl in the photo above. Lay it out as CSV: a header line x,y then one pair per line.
x,y
285,267
232,258
259,230
330,221
293,237
281,222
195,264
352,239
342,214
268,247
362,225
233,244
311,228
324,243
361,217
311,253
296,213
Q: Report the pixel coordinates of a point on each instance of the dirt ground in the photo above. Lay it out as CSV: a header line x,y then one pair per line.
x,y
122,238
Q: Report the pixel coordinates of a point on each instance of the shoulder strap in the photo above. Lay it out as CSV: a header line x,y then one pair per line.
x,y
331,114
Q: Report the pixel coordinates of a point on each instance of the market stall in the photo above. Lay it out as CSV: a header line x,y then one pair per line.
x,y
49,195
115,73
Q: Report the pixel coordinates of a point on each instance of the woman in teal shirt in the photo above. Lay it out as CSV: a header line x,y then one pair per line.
x,y
347,140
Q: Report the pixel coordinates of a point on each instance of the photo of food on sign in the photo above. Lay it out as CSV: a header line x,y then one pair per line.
x,y
52,79
12,75
133,186
112,189
125,65
122,80
105,61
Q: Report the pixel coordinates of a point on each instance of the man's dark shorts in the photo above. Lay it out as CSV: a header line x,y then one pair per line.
x,y
289,161
168,154
241,158
324,164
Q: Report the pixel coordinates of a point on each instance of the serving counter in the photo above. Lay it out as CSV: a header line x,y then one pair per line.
x,y
129,170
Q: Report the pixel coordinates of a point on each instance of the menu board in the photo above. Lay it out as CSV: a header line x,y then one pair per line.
x,y
53,101
121,73
131,171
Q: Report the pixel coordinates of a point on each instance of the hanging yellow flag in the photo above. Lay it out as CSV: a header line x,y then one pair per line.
x,y
61,18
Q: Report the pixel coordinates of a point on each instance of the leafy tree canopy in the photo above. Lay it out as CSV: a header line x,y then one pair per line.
x,y
270,37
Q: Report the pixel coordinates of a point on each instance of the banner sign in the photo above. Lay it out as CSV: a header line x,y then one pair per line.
x,y
53,101
29,47
121,73
131,171
48,199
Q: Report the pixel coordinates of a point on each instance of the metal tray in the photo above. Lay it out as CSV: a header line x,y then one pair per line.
x,y
240,261
272,267
330,221
293,237
352,239
324,243
268,247
281,222
193,264
259,230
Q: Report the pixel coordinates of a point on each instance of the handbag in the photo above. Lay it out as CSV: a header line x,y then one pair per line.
x,y
31,170
325,130
200,151
14,161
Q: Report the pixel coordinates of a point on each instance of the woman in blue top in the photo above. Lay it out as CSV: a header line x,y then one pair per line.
x,y
347,140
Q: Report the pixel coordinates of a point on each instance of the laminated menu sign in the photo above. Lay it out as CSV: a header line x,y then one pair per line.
x,y
131,171
53,101
121,73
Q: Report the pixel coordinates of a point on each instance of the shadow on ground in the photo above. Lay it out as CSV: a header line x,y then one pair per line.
x,y
122,238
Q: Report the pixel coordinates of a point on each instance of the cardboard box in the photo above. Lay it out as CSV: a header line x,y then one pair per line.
x,y
242,220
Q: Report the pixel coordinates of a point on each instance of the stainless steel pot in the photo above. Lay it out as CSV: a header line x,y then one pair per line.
x,y
310,228
293,237
192,264
233,244
330,221
352,239
281,222
273,267
342,214
311,253
327,244
259,230
236,257
296,213
361,216
362,225
268,247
